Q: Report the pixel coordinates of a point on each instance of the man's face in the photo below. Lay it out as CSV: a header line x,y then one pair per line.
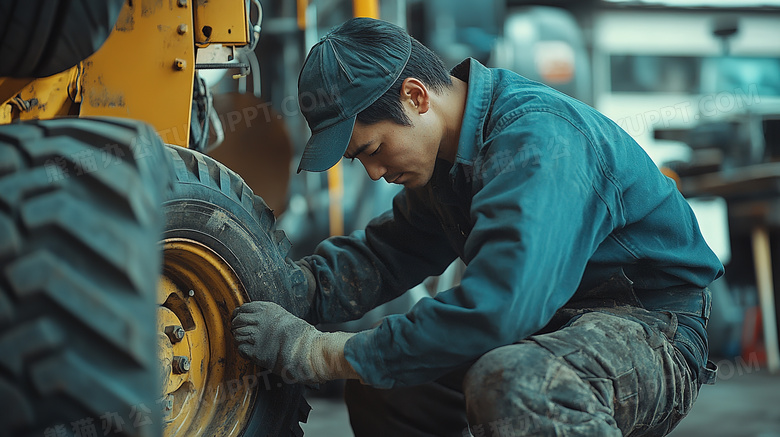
x,y
400,154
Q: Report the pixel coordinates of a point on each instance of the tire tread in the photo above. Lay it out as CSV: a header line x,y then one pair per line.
x,y
70,295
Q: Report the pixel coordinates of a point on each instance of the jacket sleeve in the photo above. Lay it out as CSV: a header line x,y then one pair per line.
x,y
396,252
542,205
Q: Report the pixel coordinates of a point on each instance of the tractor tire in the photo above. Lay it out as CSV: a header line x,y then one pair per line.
x,y
39,38
80,223
212,206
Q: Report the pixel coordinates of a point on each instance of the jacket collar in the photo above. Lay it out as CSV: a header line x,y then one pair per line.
x,y
478,100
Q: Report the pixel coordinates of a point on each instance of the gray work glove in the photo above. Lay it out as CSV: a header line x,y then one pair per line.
x,y
288,346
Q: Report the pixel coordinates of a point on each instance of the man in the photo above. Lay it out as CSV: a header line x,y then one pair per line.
x,y
583,306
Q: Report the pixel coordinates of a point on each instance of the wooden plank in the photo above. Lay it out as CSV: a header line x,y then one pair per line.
x,y
763,266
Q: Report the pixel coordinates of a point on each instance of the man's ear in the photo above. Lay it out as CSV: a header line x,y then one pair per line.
x,y
415,93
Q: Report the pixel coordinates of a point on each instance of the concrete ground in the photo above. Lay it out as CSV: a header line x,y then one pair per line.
x,y
745,402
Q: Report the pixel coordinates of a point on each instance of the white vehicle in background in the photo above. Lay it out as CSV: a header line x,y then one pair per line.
x,y
674,69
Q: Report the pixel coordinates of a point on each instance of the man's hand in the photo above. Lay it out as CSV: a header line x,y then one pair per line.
x,y
288,346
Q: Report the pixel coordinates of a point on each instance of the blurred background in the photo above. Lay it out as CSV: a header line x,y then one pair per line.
x,y
696,83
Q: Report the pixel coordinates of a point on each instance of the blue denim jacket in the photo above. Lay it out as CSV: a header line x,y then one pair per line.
x,y
547,197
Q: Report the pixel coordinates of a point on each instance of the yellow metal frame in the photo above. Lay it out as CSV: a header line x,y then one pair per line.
x,y
224,21
145,70
365,8
43,98
301,6
9,87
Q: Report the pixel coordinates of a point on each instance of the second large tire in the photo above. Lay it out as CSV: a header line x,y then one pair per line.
x,y
211,205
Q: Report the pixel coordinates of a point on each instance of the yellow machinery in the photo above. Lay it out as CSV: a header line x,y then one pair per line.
x,y
220,247
145,70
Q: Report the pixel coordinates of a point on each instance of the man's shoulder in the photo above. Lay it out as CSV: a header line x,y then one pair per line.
x,y
513,92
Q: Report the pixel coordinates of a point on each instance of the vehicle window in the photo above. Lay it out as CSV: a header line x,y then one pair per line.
x,y
730,73
694,75
655,74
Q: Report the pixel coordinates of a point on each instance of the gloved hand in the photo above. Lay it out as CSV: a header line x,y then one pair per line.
x,y
289,346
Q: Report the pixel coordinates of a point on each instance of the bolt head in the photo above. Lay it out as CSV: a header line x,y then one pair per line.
x,y
182,29
181,364
180,64
182,3
175,333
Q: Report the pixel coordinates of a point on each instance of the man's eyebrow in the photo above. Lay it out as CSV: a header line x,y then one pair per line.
x,y
359,150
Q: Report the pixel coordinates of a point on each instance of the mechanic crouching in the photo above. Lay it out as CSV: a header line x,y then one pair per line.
x,y
583,306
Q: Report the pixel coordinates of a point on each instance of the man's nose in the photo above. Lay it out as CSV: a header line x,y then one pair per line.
x,y
375,170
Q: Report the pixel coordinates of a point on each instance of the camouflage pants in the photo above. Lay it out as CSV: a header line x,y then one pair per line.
x,y
610,373
605,371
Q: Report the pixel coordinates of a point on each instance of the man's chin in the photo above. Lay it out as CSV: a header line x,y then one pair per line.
x,y
415,182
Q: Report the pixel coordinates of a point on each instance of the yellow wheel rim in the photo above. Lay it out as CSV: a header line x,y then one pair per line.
x,y
207,387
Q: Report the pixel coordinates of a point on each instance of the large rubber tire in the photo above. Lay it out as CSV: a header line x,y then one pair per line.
x,y
39,38
79,262
213,206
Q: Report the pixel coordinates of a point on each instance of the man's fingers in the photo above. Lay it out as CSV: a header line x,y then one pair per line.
x,y
245,319
255,306
248,307
243,330
244,339
245,351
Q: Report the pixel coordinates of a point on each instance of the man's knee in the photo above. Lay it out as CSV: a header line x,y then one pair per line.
x,y
527,387
516,370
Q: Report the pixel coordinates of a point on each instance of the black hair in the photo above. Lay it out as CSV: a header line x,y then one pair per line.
x,y
423,64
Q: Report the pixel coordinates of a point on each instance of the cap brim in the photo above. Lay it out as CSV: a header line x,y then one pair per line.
x,y
326,147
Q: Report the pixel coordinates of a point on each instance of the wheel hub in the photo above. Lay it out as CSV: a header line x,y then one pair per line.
x,y
201,372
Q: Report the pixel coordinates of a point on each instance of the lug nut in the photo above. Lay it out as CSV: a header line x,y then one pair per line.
x,y
181,364
191,293
175,333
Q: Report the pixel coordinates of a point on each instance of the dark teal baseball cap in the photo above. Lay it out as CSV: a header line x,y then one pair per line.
x,y
345,72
